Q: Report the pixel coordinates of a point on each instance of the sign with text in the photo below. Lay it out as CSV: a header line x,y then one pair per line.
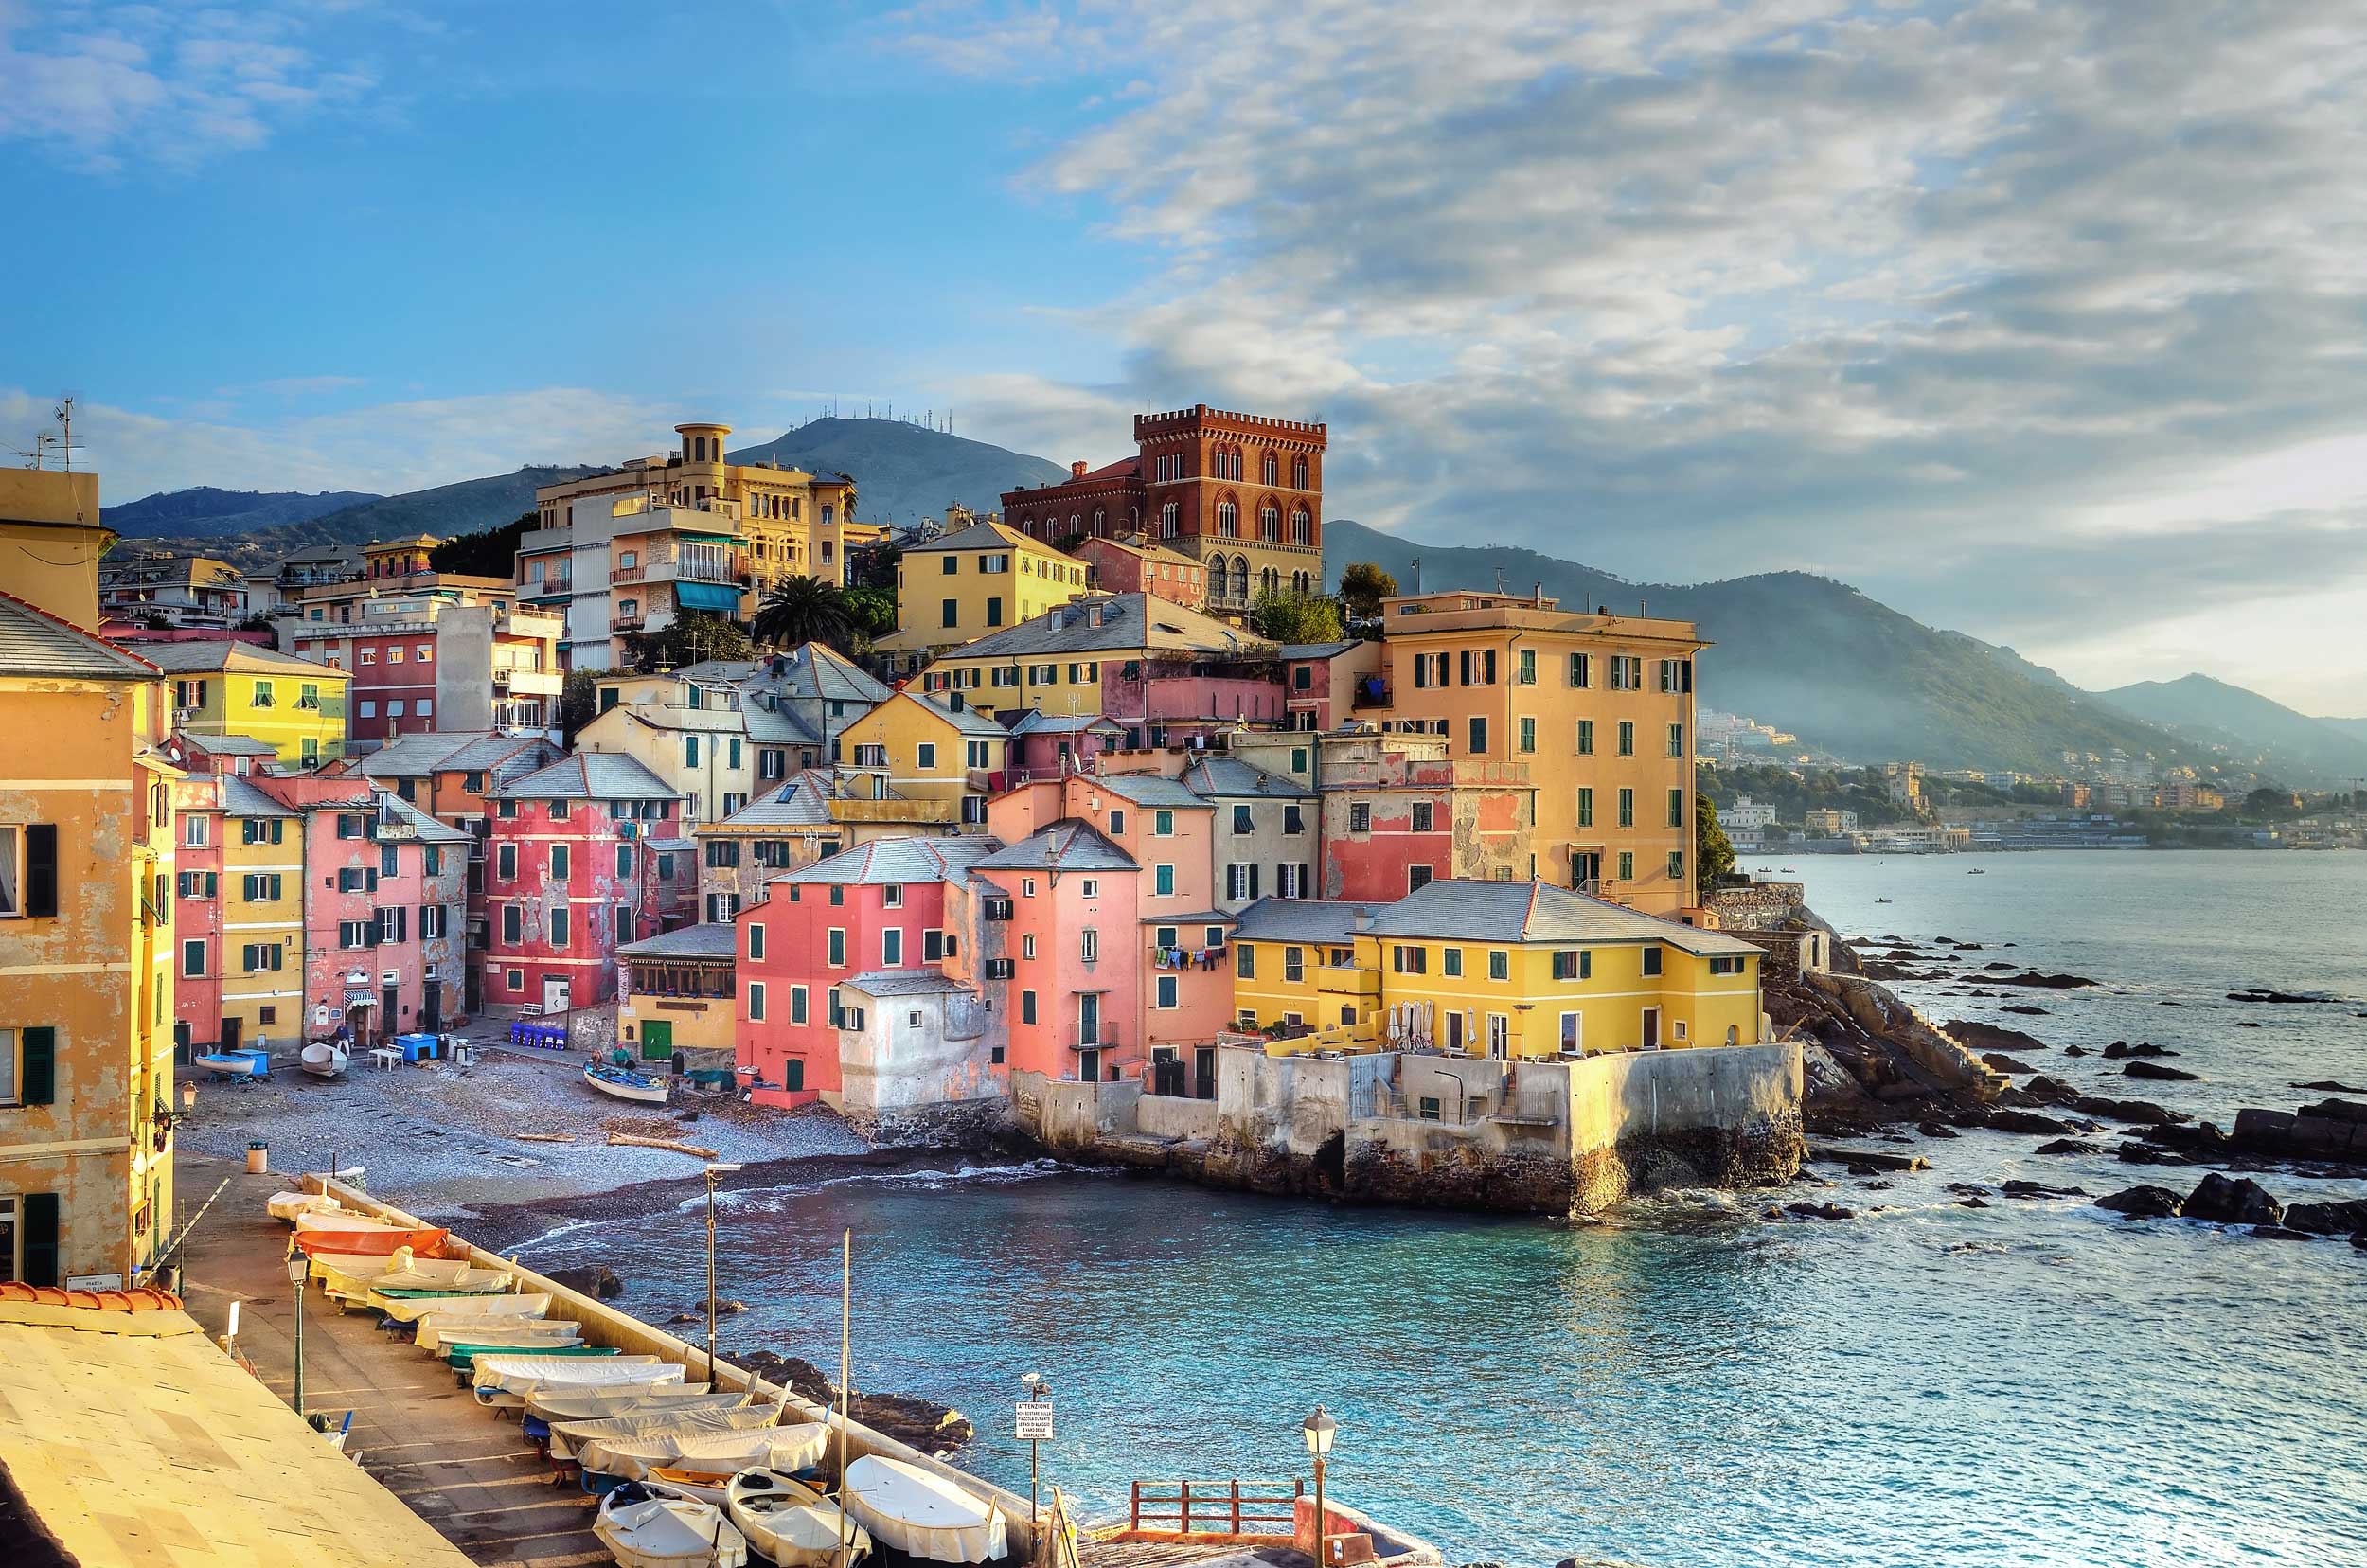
x,y
1034,1422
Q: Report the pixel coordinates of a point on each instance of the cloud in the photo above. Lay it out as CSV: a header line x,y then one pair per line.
x,y
102,84
1943,298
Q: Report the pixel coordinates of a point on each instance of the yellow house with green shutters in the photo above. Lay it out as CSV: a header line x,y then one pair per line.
x,y
227,687
970,582
1508,970
927,748
675,992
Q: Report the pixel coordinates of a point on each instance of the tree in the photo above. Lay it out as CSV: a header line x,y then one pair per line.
x,y
579,702
1713,852
873,566
490,553
1362,586
804,610
873,610
1289,618
695,635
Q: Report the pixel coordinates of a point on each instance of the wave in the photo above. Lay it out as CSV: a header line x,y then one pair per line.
x,y
566,1227
927,1178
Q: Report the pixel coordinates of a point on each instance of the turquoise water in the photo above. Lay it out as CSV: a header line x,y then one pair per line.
x,y
2024,1384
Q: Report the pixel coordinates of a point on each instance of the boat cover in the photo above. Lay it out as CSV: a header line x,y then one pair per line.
x,y
792,1525
380,1241
506,1380
449,1276
286,1205
789,1448
437,1331
566,1436
413,1309
594,1404
921,1514
669,1532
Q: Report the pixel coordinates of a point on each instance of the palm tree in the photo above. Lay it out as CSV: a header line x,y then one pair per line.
x,y
803,610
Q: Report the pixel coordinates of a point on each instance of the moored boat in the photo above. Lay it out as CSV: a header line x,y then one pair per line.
x,y
554,1405
644,1528
625,1084
789,1522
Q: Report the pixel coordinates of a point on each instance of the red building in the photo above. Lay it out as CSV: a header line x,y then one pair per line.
x,y
878,908
1241,493
1135,565
583,855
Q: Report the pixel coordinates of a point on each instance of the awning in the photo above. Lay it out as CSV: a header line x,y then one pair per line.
x,y
706,596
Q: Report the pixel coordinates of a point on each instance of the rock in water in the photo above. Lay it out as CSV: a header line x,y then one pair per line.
x,y
2144,1203
2345,1218
2121,1049
2045,981
2329,1086
2155,1071
2027,1121
2130,1111
2232,1200
596,1280
2005,1064
2067,1145
2035,1189
1819,1211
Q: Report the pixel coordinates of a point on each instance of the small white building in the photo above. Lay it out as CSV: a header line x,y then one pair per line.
x,y
916,1045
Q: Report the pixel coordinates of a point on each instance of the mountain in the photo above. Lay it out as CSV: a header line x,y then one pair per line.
x,y
2285,744
904,471
470,506
1815,656
205,511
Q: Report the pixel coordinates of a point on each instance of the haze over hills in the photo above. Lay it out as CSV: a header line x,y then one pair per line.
x,y
2248,725
905,472
1819,657
205,511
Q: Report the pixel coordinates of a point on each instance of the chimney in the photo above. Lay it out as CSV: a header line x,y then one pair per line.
x,y
1360,918
1076,469
1417,576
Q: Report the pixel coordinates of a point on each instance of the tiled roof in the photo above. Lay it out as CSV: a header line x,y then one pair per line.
x,y
1152,790
1300,921
201,658
589,775
1534,912
897,860
912,982
34,642
1229,777
982,536
1128,621
716,940
1067,844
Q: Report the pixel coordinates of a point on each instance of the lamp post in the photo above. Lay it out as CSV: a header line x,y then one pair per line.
x,y
1037,1389
1319,1429
714,1173
297,1263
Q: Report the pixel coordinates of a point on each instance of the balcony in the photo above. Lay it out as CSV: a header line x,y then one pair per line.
x,y
631,621
528,682
1371,692
1106,1038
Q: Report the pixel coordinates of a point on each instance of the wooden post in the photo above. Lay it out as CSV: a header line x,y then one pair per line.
x,y
1185,1527
1134,1508
1236,1506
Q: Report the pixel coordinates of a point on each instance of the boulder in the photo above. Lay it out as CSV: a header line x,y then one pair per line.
x,y
2346,1216
2075,1050
2005,1064
2155,1071
1970,1201
2037,1189
2047,1090
2130,1111
2329,1086
2145,1153
2120,1050
2067,1146
2144,1203
2232,1200
2027,1121
2024,1008
2246,1023
1937,1130
1978,1036
2281,996
596,1280
2045,981
1819,1211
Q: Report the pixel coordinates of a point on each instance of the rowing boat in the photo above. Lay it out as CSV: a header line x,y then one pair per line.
x,y
643,1528
625,1084
789,1522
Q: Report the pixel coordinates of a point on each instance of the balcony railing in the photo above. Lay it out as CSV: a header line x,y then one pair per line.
x,y
1371,692
626,622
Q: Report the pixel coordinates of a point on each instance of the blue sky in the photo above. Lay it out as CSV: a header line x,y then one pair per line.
x,y
2035,319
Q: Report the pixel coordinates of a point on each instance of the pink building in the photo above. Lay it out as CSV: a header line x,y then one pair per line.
x,y
1134,565
583,855
876,911
1045,745
1324,684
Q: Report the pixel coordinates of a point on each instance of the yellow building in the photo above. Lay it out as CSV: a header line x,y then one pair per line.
x,y
1148,666
970,582
674,992
925,748
86,936
293,706
1505,970
263,912
813,816
1601,704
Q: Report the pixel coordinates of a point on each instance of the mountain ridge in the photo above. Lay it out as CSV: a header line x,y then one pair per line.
x,y
2219,715
206,510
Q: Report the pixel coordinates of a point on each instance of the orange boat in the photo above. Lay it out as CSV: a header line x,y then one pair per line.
x,y
378,1243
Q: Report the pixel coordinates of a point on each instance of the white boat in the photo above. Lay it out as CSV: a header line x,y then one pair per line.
x,y
626,1084
789,1522
504,1305
567,1436
716,1454
597,1404
642,1529
437,1331
325,1058
506,1380
921,1513
286,1205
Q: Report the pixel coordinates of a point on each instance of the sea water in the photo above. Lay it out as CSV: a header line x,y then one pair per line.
x,y
1689,1383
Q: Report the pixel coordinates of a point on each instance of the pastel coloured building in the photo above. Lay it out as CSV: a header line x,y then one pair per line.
x,y
970,582
675,996
294,706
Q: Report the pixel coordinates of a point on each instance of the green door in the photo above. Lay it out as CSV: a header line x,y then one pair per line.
x,y
657,1039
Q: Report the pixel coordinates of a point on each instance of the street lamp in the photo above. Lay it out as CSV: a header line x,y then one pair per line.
x,y
1319,1429
298,1262
714,1173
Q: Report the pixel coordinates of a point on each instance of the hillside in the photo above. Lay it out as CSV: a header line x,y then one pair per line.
x,y
904,471
2249,726
1816,656
205,511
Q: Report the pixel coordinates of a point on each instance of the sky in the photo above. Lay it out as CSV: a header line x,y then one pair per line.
x,y
2044,321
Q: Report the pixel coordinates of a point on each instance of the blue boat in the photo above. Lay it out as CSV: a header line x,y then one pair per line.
x,y
625,1084
246,1064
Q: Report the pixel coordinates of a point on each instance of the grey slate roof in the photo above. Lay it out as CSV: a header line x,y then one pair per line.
x,y
33,642
811,670
1230,779
1128,621
1067,844
716,940
1036,721
589,775
1316,651
1534,912
897,860
239,798
913,982
426,829
203,658
417,755
1152,790
1301,921
967,720
231,745
803,802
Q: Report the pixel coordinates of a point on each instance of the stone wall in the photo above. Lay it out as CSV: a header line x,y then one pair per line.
x,y
1170,1117
1759,906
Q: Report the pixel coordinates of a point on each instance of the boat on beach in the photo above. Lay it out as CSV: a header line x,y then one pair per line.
x,y
506,1380
644,1528
789,1522
286,1205
568,1437
235,1064
554,1405
704,1457
625,1084
344,1242
921,1513
325,1058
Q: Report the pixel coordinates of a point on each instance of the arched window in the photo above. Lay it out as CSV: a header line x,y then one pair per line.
x,y
1228,519
1270,581
1301,584
1270,469
1215,574
1270,523
1298,473
1100,517
1240,577
1170,520
1302,528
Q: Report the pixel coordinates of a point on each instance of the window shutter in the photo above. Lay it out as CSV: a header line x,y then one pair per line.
x,y
41,1237
41,872
38,1077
